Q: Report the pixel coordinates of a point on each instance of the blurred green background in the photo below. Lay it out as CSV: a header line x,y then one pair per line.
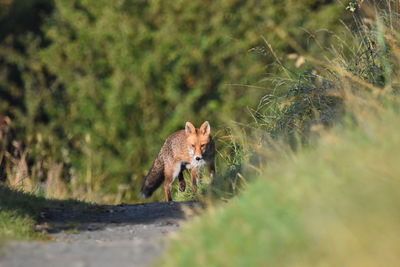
x,y
89,90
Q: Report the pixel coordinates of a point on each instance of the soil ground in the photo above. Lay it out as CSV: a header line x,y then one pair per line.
x,y
123,235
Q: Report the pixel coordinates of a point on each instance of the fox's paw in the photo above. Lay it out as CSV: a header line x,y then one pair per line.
x,y
182,186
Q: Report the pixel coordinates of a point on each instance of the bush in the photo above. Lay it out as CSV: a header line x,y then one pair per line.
x,y
110,80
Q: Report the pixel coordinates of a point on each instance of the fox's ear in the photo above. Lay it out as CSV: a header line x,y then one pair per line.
x,y
189,128
205,128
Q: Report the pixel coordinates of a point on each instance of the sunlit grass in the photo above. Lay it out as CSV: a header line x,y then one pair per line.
x,y
336,205
328,201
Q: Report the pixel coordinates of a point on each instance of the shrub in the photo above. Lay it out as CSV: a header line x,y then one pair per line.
x,y
110,80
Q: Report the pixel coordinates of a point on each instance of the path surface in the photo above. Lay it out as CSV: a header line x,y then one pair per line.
x,y
117,236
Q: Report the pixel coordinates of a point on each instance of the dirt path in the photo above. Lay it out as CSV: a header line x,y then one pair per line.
x,y
123,235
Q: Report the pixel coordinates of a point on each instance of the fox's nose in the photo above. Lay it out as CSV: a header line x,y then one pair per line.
x,y
198,158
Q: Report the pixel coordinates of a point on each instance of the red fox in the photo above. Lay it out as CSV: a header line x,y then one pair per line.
x,y
189,149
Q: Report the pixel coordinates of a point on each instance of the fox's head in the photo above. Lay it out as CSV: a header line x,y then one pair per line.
x,y
198,140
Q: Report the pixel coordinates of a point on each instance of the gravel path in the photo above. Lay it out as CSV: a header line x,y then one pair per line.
x,y
123,235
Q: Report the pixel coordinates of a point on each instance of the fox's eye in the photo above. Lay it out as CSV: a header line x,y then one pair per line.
x,y
203,145
193,145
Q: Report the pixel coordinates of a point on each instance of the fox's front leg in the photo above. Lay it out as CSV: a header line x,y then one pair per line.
x,y
195,178
167,194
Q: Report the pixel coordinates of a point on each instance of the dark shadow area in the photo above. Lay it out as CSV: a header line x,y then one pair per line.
x,y
54,216
123,213
18,18
24,204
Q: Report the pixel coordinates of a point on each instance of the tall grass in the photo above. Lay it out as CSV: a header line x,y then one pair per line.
x,y
43,178
353,78
351,70
336,205
335,201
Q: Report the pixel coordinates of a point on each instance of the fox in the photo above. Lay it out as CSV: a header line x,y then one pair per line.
x,y
187,149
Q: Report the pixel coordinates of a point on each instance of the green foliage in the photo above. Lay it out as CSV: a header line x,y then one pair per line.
x,y
335,205
290,114
331,204
319,96
103,83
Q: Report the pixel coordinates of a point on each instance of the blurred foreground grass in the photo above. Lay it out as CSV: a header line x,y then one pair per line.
x,y
335,205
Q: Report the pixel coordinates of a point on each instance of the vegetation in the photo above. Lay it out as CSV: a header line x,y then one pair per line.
x,y
333,205
333,202
91,89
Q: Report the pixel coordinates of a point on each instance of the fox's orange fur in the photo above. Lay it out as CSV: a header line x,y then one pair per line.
x,y
189,149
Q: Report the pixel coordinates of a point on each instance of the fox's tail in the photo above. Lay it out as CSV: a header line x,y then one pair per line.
x,y
153,179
